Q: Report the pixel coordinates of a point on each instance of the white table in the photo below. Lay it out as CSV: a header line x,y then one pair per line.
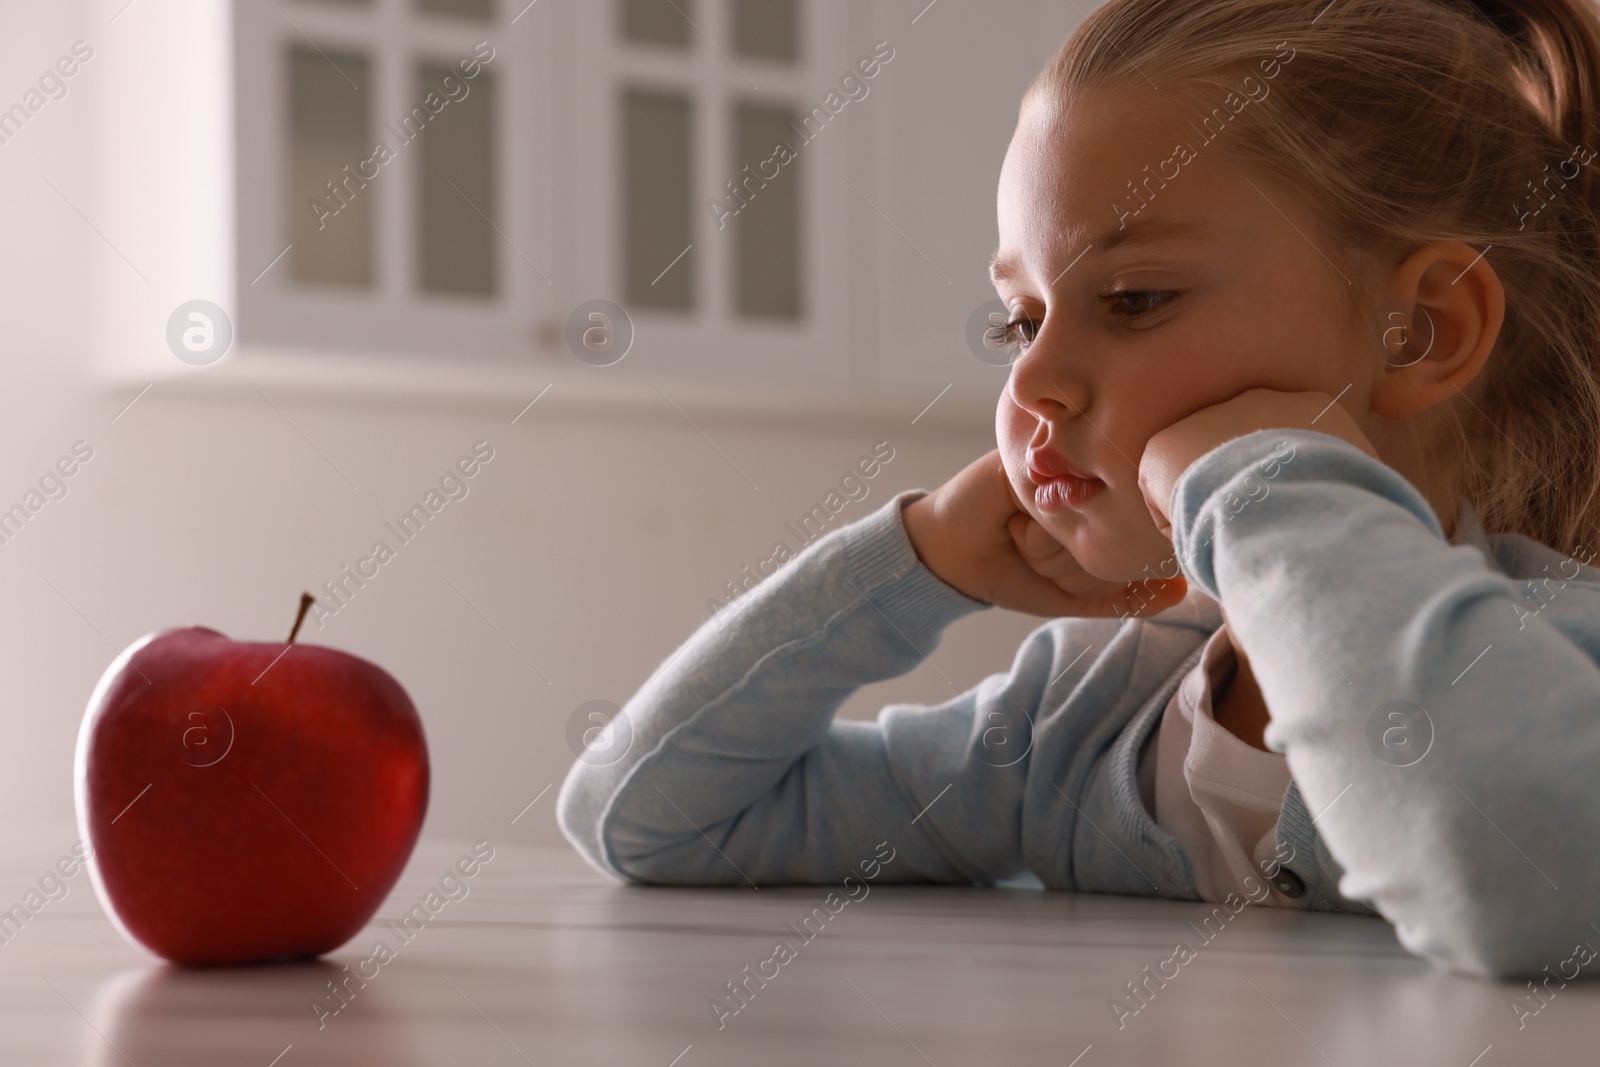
x,y
547,963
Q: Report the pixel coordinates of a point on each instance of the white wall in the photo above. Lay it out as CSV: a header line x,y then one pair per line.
x,y
592,542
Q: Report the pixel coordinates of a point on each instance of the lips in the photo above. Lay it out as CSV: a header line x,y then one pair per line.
x,y
1045,466
1059,484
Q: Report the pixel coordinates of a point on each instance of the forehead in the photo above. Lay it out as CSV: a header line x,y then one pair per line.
x,y
1113,169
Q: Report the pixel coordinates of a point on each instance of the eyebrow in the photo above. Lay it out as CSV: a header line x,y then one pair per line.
x,y
1150,231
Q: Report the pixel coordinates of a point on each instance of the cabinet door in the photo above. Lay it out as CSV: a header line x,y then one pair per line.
x,y
394,154
704,193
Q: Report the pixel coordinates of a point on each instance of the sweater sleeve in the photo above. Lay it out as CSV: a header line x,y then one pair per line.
x,y
1441,719
735,771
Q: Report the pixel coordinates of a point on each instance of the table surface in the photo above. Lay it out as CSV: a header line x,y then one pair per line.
x,y
546,962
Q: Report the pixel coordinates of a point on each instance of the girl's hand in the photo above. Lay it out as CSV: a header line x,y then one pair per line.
x,y
1170,452
973,533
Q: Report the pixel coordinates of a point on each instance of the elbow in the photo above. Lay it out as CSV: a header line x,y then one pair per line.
x,y
1469,951
1466,897
620,832
580,814
1488,927
1484,948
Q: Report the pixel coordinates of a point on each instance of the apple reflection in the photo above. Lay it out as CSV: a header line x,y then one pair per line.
x,y
216,1016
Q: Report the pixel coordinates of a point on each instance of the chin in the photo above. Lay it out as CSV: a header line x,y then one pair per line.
x,y
1109,563
1117,554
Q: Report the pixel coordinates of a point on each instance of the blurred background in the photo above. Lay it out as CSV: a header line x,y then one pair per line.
x,y
272,267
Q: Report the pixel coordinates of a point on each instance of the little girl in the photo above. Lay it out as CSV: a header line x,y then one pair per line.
x,y
1299,452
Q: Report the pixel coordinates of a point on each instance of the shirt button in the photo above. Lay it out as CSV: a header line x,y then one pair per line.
x,y
1289,884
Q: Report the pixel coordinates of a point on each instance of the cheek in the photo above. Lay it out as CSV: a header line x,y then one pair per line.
x,y
1014,430
1007,415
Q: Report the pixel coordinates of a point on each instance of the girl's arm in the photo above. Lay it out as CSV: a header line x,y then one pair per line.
x,y
737,773
1369,632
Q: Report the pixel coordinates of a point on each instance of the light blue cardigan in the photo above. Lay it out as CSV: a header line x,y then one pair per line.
x,y
1484,852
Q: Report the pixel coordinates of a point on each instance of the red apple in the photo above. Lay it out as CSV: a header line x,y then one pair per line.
x,y
246,801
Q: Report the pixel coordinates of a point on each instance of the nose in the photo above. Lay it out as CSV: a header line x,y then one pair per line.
x,y
1042,382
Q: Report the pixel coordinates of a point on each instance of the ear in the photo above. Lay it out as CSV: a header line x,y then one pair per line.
x,y
1446,306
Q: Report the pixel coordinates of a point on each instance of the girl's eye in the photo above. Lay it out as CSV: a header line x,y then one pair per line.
x,y
1019,332
1132,303
1022,328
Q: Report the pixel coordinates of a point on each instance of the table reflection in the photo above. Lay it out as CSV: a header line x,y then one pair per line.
x,y
211,1017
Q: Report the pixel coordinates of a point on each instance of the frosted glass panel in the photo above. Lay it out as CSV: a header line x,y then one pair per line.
x,y
656,130
330,204
766,28
477,9
657,21
767,229
456,206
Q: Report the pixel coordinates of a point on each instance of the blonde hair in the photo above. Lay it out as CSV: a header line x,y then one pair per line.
x,y
1405,122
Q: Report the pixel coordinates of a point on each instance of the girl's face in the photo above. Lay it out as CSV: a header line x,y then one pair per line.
x,y
1132,314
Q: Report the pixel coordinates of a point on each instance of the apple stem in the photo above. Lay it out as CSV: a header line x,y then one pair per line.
x,y
306,600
